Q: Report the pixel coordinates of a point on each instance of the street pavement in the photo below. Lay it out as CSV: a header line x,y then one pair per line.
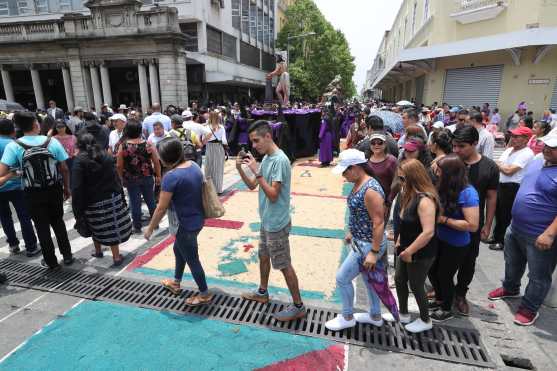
x,y
41,330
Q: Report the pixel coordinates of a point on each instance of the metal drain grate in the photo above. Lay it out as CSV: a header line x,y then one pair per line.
x,y
442,343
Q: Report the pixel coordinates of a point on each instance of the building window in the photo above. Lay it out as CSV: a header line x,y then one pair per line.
x,y
4,9
214,41
426,10
236,14
260,25
253,20
24,7
414,11
229,46
268,62
272,32
266,41
245,16
64,5
41,6
249,55
190,31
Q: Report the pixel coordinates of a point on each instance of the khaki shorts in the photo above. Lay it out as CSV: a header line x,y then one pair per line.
x,y
276,246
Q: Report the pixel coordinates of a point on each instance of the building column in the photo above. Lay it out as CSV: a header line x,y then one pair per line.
x,y
105,81
154,82
143,86
37,87
68,87
97,94
7,82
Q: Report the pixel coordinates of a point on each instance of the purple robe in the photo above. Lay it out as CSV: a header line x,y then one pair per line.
x,y
243,125
326,143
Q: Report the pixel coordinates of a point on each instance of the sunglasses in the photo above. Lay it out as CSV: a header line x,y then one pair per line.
x,y
377,142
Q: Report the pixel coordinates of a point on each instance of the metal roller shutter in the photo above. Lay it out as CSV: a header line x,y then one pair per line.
x,y
473,86
553,104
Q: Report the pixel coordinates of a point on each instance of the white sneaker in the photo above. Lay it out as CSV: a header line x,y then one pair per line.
x,y
366,318
418,326
404,318
339,323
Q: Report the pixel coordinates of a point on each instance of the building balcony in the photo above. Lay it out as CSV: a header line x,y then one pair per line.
x,y
470,11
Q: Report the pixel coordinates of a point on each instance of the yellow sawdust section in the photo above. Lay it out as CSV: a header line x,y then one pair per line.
x,y
315,259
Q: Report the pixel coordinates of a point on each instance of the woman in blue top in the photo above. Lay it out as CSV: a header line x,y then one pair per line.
x,y
181,190
460,217
366,222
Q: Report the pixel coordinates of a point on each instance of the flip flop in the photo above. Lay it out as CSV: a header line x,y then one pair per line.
x,y
168,284
197,300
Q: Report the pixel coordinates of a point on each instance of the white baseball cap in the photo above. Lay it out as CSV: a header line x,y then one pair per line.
x,y
550,139
438,125
119,116
348,158
187,114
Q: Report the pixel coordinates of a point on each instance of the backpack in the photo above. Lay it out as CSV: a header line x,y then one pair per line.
x,y
184,135
40,168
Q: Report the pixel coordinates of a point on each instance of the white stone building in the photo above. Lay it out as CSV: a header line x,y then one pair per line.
x,y
129,51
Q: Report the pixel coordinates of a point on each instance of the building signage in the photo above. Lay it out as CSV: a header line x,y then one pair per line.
x,y
538,81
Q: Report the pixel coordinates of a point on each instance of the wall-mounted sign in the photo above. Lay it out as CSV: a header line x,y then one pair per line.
x,y
538,81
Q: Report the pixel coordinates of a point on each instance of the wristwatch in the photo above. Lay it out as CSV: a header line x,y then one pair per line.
x,y
374,252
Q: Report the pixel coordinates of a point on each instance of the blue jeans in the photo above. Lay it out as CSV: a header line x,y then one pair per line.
x,y
186,252
520,250
349,270
145,187
16,198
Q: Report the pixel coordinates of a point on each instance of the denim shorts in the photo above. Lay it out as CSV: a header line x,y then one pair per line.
x,y
276,245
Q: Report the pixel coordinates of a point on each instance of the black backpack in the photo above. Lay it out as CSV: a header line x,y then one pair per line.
x,y
184,136
40,168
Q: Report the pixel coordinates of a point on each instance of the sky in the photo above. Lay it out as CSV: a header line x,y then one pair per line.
x,y
363,23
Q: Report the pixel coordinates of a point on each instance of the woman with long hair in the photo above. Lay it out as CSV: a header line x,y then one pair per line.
x,y
541,129
460,216
366,235
98,199
181,191
64,135
139,167
416,246
440,146
215,142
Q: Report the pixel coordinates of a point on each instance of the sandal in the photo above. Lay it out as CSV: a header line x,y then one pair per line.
x,y
197,300
170,285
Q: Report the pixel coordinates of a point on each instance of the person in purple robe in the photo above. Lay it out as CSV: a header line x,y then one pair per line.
x,y
326,141
243,125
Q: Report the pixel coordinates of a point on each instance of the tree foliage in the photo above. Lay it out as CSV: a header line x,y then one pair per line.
x,y
315,60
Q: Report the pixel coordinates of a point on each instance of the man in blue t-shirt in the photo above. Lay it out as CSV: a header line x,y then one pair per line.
x,y
530,239
45,204
273,179
11,192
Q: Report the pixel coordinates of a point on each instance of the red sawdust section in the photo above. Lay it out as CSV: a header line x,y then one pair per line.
x,y
330,359
222,223
312,163
150,254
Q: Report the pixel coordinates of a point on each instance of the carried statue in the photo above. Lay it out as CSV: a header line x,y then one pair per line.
x,y
283,85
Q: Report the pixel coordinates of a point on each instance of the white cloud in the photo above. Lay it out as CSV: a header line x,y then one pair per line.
x,y
363,23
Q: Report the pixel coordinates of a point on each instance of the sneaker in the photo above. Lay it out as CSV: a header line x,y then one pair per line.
x,y
441,315
290,313
497,247
3,278
257,296
69,261
418,326
524,317
403,318
14,249
340,323
462,306
366,318
433,305
34,252
44,265
501,293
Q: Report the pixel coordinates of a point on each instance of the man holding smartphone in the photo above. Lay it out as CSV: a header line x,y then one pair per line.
x,y
273,178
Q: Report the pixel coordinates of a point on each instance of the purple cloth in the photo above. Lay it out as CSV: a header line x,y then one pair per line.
x,y
379,280
346,124
326,143
243,125
286,112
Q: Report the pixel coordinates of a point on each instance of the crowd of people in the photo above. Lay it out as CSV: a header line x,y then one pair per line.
x,y
436,182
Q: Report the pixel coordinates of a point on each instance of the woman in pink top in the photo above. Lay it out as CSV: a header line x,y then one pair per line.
x,y
64,135
540,130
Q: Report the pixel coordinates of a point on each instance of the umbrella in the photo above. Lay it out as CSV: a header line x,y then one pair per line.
x,y
390,119
404,103
10,106
379,281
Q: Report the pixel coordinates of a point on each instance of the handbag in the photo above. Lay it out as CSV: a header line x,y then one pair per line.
x,y
82,227
212,206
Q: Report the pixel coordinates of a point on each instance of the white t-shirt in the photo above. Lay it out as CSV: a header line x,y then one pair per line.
x,y
113,139
219,134
196,128
520,158
486,143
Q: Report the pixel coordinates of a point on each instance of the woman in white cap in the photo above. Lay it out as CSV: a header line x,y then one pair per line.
x,y
366,235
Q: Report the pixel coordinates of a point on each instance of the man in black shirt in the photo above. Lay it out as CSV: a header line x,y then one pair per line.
x,y
483,174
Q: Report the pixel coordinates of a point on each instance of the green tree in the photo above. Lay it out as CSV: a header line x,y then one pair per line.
x,y
315,60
